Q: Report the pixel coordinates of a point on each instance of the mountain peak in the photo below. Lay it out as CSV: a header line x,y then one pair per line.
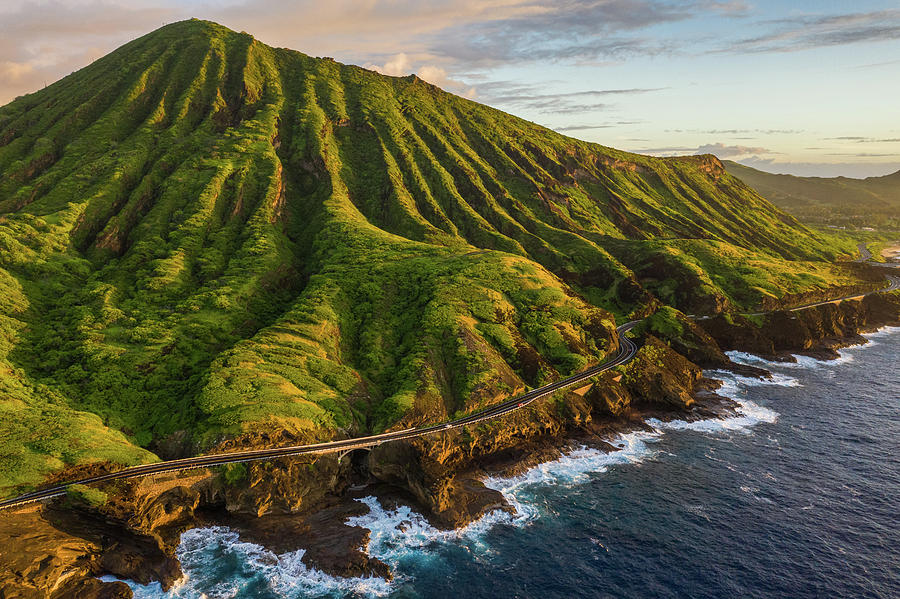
x,y
210,235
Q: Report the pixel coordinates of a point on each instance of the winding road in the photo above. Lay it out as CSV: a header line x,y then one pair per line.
x,y
627,350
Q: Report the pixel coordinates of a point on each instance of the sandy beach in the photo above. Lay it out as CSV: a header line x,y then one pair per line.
x,y
892,252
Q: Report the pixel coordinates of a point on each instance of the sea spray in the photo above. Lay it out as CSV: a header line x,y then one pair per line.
x,y
846,354
574,467
220,565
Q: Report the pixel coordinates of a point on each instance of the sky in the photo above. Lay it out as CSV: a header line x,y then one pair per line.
x,y
803,87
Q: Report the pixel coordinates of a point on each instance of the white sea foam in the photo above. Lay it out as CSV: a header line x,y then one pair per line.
x,y
576,466
748,414
808,362
882,332
734,385
203,549
400,535
754,360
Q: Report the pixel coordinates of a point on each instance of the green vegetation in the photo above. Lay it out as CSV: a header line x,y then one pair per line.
x,y
697,274
85,494
234,474
837,201
664,323
203,234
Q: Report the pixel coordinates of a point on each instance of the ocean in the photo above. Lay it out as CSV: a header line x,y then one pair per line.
x,y
796,496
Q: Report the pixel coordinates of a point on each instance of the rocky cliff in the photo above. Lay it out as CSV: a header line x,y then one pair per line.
x,y
208,243
817,331
61,548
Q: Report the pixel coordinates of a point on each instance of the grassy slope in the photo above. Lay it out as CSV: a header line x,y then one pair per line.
x,y
201,233
874,201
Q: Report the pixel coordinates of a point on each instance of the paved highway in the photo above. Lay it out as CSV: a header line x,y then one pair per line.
x,y
866,256
893,285
627,350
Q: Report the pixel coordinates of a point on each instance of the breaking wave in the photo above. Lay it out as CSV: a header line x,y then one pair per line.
x,y
219,565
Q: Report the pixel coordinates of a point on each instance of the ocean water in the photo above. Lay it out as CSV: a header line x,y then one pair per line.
x,y
796,496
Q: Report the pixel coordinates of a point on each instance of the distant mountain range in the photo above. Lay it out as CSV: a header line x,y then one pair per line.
x,y
874,201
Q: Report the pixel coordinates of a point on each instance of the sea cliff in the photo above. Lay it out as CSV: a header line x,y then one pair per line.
x,y
62,547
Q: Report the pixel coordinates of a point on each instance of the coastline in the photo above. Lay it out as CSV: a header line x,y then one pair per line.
x,y
338,554
892,253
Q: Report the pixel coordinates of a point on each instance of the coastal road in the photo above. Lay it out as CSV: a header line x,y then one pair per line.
x,y
627,350
864,254
893,285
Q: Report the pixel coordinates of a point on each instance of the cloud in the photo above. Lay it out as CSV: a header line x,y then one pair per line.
x,y
398,66
15,72
860,139
467,32
735,8
864,154
814,31
41,42
738,131
594,126
443,37
517,96
874,65
581,128
667,151
720,150
723,151
567,30
401,64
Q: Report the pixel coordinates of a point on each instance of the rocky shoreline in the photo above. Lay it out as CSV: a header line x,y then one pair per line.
x,y
59,549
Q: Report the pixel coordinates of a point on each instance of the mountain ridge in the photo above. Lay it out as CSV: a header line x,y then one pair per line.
x,y
871,201
203,236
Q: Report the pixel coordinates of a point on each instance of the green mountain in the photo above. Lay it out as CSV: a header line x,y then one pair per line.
x,y
202,235
841,201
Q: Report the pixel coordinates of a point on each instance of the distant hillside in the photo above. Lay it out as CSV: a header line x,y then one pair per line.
x,y
874,201
202,235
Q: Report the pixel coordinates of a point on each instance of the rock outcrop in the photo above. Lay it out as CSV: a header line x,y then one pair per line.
x,y
59,552
817,331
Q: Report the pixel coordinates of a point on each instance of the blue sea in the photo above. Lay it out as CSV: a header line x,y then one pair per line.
x,y
797,496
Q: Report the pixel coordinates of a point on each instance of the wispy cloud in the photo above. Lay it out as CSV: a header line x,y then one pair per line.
x,y
581,128
520,96
875,65
668,150
725,151
865,154
862,140
588,127
737,131
720,150
814,31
